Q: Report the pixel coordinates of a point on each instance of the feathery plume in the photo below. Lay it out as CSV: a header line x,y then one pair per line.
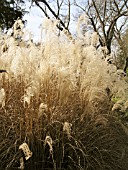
x,y
25,148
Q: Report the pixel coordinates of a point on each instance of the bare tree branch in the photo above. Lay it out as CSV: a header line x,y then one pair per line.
x,y
69,13
104,16
62,25
44,11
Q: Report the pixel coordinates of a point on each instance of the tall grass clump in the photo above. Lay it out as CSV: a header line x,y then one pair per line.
x,y
57,104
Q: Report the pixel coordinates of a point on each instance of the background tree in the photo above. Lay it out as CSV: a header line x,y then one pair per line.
x,y
10,10
58,9
122,57
104,16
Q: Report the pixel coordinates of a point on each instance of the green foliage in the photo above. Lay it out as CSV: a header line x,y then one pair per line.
x,y
10,10
120,109
115,99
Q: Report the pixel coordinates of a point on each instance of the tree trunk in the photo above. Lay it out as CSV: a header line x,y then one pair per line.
x,y
126,66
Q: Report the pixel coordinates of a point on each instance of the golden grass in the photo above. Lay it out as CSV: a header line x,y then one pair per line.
x,y
58,102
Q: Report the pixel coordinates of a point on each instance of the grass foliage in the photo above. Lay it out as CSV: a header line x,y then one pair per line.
x,y
56,97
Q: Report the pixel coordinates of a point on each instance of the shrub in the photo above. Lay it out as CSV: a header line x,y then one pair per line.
x,y
57,101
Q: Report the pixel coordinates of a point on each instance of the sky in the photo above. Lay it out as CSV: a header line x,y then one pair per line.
x,y
34,19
